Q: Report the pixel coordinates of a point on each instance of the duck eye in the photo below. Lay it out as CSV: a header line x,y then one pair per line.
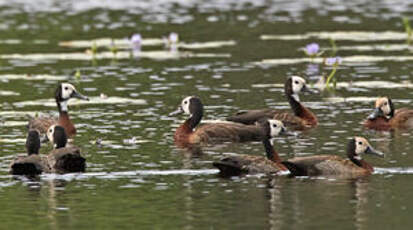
x,y
385,103
185,102
66,88
360,143
274,125
296,82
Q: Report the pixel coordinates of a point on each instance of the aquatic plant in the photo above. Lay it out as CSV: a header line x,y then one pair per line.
x,y
113,48
408,29
333,47
334,62
136,41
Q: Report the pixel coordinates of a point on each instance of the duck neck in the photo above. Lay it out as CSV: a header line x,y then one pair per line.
x,y
188,126
270,151
62,106
295,104
362,164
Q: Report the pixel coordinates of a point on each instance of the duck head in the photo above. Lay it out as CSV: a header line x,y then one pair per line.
x,y
190,105
33,142
296,85
358,146
57,135
383,108
64,92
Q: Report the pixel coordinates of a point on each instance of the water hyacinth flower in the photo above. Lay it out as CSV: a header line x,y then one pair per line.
x,y
173,38
312,49
136,39
332,61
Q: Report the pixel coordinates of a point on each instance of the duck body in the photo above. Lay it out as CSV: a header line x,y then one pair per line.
x,y
189,133
301,118
235,165
64,92
66,160
30,164
63,159
327,165
331,165
217,133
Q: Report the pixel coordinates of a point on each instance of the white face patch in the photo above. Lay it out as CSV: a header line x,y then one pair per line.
x,y
298,84
276,127
50,133
386,107
185,105
361,145
67,90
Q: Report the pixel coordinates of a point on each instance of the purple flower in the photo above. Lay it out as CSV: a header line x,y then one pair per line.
x,y
333,61
173,38
312,49
136,39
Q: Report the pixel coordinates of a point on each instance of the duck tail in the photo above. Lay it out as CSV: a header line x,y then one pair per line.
x,y
24,168
295,170
71,163
228,167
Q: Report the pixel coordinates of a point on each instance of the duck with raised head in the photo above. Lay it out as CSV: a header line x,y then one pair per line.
x,y
385,117
31,164
186,134
331,165
63,159
302,117
239,164
64,92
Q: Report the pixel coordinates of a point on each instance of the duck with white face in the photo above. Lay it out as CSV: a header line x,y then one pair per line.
x,y
333,165
241,164
63,94
63,159
189,133
301,118
386,117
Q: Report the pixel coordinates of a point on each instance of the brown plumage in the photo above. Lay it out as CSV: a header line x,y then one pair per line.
x,y
330,165
63,159
235,165
385,117
64,92
186,134
302,117
30,164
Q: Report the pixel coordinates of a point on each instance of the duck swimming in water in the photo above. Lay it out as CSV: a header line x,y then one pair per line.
x,y
64,92
302,117
189,134
31,164
386,117
63,159
332,165
235,165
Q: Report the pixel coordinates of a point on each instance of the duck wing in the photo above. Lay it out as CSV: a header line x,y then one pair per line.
x,y
318,165
236,165
66,160
42,123
403,118
251,116
226,132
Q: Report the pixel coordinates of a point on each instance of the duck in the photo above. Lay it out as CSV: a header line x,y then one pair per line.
x,y
64,92
332,165
301,118
189,134
240,164
31,164
63,159
385,117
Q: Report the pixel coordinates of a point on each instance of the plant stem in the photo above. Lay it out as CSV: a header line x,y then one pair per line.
x,y
331,76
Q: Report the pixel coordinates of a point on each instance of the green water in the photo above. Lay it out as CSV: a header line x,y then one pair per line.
x,y
151,184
